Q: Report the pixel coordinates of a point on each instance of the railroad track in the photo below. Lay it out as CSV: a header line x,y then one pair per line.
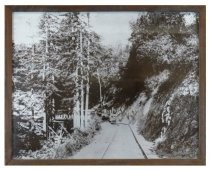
x,y
139,145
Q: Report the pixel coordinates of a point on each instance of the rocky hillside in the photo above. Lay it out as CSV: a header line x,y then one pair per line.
x,y
160,82
172,119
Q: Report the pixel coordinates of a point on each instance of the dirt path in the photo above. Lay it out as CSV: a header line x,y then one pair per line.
x,y
113,142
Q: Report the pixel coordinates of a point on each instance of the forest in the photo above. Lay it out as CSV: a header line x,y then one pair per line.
x,y
68,84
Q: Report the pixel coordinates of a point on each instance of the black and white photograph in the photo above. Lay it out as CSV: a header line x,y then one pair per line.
x,y
105,85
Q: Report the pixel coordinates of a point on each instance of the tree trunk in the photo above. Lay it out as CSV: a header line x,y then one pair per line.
x,y
82,107
47,32
32,61
88,81
87,101
43,74
46,50
99,82
82,84
76,109
46,116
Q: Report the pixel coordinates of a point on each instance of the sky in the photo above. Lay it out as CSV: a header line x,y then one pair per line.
x,y
113,27
25,27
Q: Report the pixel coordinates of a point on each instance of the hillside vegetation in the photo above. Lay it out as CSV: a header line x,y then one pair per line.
x,y
160,83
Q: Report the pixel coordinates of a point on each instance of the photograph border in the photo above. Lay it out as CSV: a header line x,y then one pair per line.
x,y
201,9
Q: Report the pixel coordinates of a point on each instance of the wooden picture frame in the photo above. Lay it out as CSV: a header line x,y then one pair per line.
x,y
201,160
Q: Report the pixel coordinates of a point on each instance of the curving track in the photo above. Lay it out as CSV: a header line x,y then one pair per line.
x,y
113,142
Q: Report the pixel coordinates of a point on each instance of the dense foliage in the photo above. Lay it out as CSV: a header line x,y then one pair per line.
x,y
163,43
59,79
